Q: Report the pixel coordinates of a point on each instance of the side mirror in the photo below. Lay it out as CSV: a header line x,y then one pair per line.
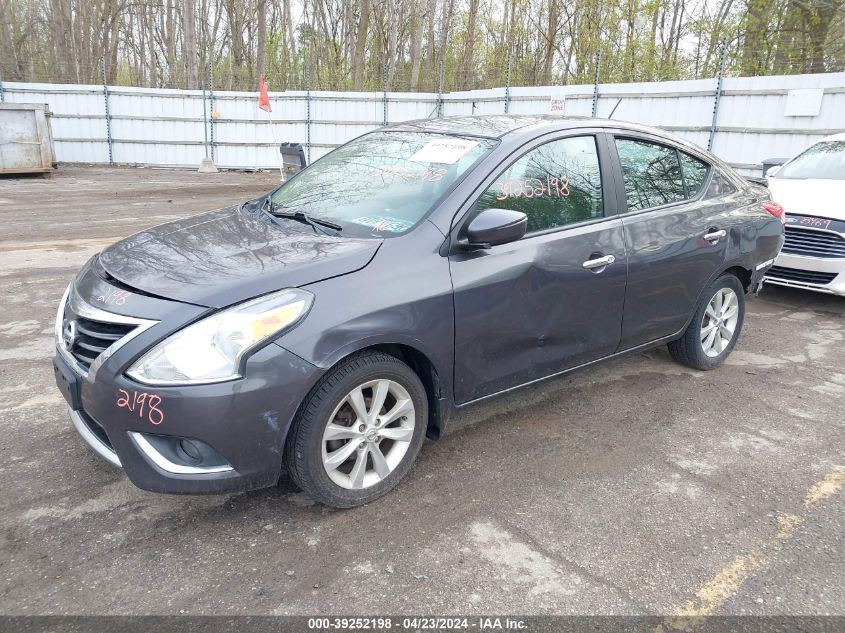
x,y
495,226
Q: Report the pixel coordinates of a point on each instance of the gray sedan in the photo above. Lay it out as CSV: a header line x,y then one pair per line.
x,y
330,325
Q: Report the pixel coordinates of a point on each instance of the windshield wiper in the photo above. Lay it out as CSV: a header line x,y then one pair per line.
x,y
269,210
261,209
301,216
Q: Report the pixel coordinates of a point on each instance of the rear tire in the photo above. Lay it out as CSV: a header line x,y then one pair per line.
x,y
342,451
713,332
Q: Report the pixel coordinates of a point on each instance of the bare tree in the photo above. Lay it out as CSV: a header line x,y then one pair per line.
x,y
416,49
261,36
190,27
347,42
469,46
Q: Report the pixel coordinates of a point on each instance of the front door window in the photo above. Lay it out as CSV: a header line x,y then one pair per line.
x,y
555,184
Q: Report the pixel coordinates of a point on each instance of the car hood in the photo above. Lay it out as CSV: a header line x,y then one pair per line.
x,y
222,257
821,197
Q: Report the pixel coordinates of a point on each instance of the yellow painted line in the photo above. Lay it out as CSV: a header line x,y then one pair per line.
x,y
826,488
727,582
787,524
716,590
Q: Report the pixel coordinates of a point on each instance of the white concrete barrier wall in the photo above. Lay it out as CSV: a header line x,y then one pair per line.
x,y
168,127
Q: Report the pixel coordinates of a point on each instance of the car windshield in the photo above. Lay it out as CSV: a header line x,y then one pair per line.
x,y
381,184
825,160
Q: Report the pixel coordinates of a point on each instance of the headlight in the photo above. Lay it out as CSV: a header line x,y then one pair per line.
x,y
211,350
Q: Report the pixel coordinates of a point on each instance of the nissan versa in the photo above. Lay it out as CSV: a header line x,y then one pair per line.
x,y
330,325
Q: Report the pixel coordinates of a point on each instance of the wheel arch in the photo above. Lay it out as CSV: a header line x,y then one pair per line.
x,y
740,272
736,269
420,362
430,377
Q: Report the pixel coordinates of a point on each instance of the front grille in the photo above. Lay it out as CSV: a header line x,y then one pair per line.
x,y
89,337
94,337
800,276
811,243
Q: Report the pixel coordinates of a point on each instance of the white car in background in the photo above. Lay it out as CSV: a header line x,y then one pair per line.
x,y
811,188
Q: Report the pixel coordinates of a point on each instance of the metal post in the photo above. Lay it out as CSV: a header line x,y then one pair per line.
x,y
508,85
211,109
722,59
2,97
108,111
596,86
308,111
204,122
384,104
440,89
207,165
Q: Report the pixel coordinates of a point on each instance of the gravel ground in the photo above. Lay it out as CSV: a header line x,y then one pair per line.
x,y
635,487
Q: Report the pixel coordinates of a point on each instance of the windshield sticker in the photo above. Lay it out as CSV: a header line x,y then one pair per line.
x,y
552,186
384,224
430,174
447,151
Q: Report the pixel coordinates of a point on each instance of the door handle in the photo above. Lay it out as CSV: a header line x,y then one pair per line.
x,y
715,236
599,262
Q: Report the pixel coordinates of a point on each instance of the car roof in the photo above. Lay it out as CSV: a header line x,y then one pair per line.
x,y
500,125
833,137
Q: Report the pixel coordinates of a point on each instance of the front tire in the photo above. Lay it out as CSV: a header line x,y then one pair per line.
x,y
712,334
359,431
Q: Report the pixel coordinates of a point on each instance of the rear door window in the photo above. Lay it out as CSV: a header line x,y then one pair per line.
x,y
556,184
695,173
719,186
651,172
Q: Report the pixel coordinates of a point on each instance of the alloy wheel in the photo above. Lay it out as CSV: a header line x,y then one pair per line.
x,y
368,434
718,324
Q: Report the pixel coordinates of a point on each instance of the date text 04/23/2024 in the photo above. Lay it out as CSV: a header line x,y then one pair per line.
x,y
421,623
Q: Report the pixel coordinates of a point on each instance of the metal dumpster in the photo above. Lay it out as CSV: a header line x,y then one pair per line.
x,y
293,159
26,140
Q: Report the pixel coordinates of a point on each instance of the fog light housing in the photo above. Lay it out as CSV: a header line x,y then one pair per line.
x,y
188,451
180,455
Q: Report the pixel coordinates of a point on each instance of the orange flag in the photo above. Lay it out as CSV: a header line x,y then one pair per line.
x,y
263,97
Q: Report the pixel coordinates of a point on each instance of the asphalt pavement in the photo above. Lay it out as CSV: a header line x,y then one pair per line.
x,y
635,487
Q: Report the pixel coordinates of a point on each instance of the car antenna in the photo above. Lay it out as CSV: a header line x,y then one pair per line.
x,y
618,101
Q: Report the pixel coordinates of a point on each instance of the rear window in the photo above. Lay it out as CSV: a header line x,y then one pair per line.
x,y
824,160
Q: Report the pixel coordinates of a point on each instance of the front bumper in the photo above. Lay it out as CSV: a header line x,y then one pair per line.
x,y
237,429
244,421
93,434
819,274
